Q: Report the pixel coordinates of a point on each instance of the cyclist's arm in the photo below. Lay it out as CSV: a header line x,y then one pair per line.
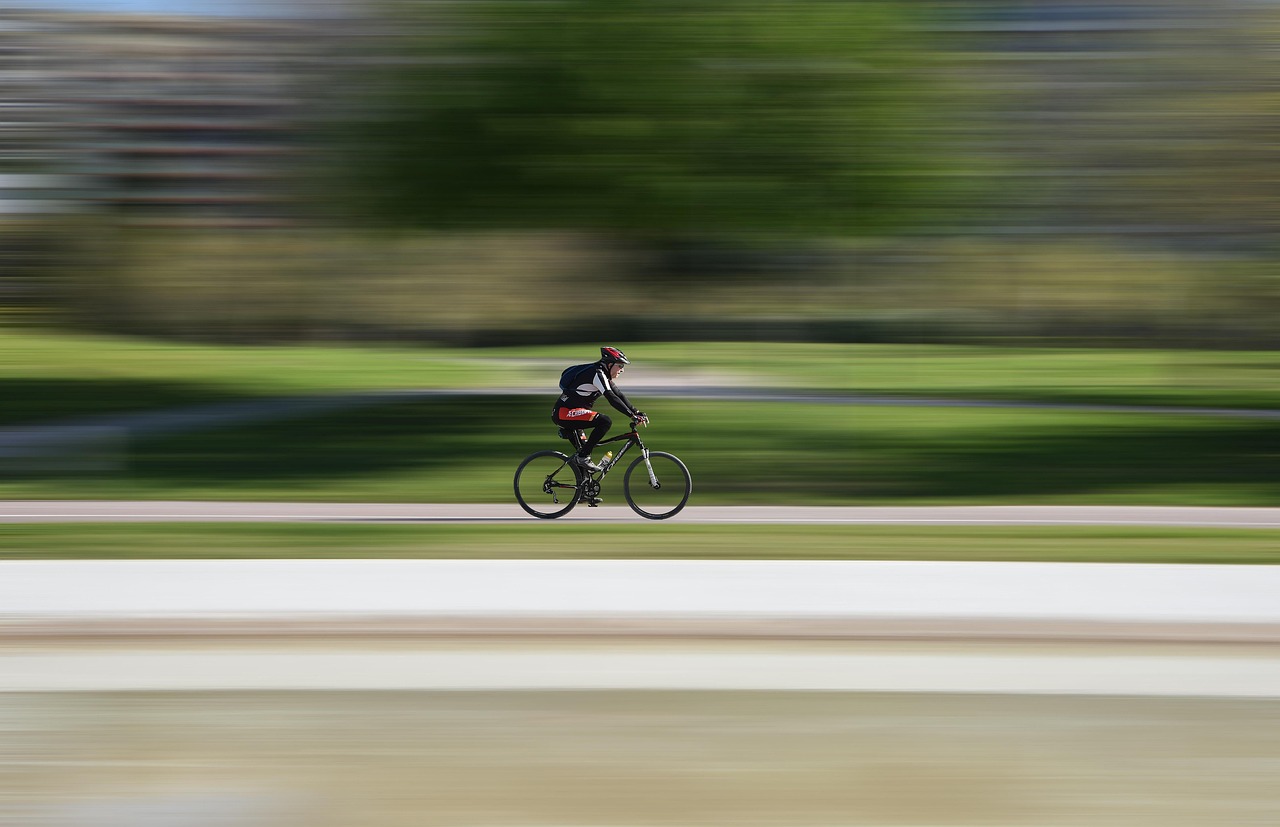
x,y
615,396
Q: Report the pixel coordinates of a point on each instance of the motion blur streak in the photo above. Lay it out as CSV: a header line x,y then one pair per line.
x,y
509,172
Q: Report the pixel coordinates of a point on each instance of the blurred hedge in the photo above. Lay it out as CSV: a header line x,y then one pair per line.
x,y
495,288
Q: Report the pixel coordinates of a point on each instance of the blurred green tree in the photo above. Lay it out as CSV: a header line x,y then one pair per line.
x,y
652,118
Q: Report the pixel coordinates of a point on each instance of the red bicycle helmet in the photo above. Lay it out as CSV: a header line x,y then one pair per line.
x,y
611,355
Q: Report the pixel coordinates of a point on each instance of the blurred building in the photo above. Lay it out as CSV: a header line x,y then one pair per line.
x,y
34,118
162,121
1085,109
1143,119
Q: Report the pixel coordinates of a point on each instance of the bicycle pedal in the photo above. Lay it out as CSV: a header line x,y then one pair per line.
x,y
591,501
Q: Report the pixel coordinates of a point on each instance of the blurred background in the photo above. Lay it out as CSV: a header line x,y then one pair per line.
x,y
209,202
206,205
505,172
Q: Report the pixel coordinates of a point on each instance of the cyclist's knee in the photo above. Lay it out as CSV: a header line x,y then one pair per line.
x,y
602,421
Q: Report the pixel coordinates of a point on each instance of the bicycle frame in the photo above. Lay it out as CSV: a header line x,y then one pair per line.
x,y
631,437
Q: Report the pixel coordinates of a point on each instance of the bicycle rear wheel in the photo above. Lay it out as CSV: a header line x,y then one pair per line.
x,y
662,494
546,485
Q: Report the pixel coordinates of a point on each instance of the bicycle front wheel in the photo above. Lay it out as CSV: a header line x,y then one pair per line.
x,y
657,486
546,485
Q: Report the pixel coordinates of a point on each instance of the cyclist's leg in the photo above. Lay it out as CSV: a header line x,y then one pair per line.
x,y
569,430
599,427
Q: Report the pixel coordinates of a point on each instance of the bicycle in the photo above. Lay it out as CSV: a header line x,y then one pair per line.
x,y
657,485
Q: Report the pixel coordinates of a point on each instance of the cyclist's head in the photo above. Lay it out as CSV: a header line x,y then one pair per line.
x,y
613,356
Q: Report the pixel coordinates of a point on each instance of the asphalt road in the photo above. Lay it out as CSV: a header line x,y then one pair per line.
x,y
69,511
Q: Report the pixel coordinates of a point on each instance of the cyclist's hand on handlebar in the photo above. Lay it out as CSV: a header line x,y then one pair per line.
x,y
641,419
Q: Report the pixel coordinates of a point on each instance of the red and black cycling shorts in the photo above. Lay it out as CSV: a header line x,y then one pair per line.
x,y
576,414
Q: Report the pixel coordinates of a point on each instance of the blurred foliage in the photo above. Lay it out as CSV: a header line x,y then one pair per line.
x,y
508,288
309,284
649,118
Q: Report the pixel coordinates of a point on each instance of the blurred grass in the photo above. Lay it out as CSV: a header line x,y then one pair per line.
x,y
666,540
466,450
45,375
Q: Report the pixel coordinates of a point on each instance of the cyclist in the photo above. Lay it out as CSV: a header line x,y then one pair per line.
x,y
581,386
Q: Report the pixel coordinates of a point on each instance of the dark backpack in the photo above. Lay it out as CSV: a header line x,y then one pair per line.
x,y
569,373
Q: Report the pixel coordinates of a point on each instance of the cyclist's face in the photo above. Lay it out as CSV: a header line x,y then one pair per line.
x,y
615,370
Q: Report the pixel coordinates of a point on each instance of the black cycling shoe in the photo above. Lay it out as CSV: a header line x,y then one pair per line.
x,y
591,501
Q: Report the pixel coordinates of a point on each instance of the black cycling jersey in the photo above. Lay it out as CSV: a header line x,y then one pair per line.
x,y
587,385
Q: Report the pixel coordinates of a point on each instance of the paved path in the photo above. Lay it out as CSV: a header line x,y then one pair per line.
x,y
55,511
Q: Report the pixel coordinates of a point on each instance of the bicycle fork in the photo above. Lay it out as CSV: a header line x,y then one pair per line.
x,y
653,479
